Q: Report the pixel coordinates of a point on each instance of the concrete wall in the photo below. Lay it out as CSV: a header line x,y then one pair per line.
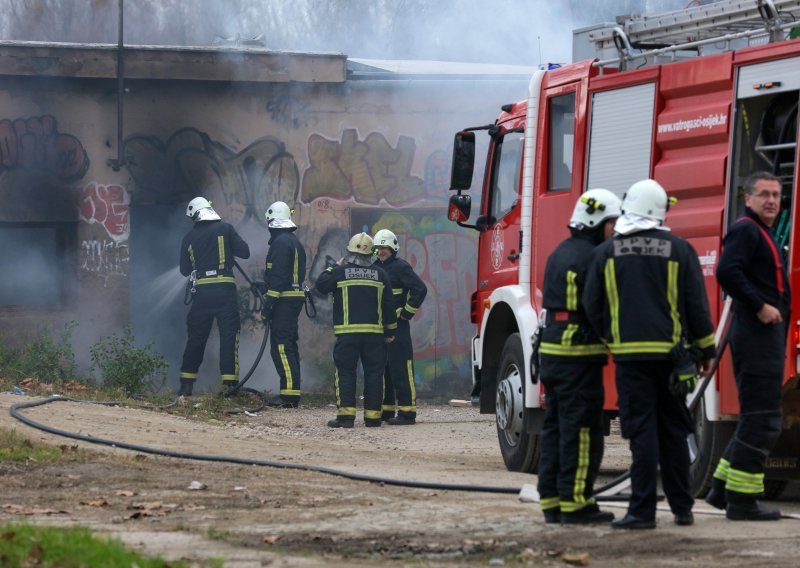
x,y
358,155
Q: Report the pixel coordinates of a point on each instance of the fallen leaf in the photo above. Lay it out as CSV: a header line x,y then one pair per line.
x,y
271,538
146,506
576,558
100,502
125,493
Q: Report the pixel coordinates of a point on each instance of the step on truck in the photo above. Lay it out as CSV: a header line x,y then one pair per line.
x,y
696,99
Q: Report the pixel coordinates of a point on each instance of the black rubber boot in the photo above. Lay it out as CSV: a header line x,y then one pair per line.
x,y
229,388
339,423
630,522
373,423
186,387
716,495
283,402
684,519
401,421
387,415
590,514
743,507
552,515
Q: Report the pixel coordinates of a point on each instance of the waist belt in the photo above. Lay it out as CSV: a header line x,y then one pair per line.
x,y
565,316
206,274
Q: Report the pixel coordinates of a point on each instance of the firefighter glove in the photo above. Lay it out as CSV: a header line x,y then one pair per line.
x,y
266,312
684,374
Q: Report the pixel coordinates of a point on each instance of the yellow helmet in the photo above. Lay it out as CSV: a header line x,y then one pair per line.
x,y
360,244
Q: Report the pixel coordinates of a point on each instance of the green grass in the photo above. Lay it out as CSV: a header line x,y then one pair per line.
x,y
14,447
26,545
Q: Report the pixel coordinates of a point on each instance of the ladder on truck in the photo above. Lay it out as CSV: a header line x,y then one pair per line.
x,y
719,26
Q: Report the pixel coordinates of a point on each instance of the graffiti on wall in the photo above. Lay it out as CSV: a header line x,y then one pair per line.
x,y
107,206
36,144
365,171
240,184
104,258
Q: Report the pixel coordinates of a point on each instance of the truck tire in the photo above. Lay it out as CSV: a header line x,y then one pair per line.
x,y
773,488
710,440
519,446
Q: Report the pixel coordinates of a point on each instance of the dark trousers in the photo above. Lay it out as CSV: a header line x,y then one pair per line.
x,y
572,436
656,423
399,390
370,349
220,302
759,353
283,338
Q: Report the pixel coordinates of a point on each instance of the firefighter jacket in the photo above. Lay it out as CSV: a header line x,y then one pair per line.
x,y
644,293
285,268
567,332
209,249
408,289
362,299
750,268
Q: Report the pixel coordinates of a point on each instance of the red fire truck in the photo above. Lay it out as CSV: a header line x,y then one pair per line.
x,y
682,98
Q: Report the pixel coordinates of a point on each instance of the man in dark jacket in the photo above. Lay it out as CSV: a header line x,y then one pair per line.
x,y
751,271
645,295
408,291
571,369
363,321
207,255
284,273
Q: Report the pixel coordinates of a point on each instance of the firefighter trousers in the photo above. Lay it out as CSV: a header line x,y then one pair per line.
x,y
210,302
370,349
758,353
283,338
399,390
572,435
657,424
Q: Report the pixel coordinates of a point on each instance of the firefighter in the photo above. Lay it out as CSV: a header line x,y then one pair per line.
x,y
408,291
364,321
571,369
284,273
207,255
645,295
751,272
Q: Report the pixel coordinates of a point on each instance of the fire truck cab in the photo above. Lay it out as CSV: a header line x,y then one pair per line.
x,y
697,115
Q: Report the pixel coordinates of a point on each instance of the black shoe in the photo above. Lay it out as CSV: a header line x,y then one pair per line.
x,y
186,387
590,514
401,421
552,515
386,415
716,495
633,523
229,388
684,519
373,423
752,511
338,423
280,402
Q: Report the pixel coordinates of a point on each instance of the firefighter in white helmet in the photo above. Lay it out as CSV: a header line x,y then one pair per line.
x,y
284,273
408,291
364,322
207,254
646,297
571,369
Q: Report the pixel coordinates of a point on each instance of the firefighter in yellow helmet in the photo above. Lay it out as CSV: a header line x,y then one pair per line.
x,y
408,291
646,297
364,321
571,369
207,253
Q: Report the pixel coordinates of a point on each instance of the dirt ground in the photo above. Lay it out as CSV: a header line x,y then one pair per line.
x,y
250,515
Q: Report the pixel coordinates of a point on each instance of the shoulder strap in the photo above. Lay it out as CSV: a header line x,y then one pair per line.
x,y
776,257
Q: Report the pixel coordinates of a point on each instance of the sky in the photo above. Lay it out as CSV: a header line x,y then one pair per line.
x,y
519,32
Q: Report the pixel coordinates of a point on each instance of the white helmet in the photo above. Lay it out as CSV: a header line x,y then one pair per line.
x,y
360,244
199,209
279,216
386,238
594,207
646,198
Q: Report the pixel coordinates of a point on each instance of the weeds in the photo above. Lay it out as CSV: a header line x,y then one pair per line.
x,y
26,545
124,366
44,358
14,447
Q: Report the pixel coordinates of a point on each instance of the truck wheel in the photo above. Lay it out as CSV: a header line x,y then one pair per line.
x,y
705,449
520,448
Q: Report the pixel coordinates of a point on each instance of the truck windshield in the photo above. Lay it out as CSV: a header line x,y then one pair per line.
x,y
506,175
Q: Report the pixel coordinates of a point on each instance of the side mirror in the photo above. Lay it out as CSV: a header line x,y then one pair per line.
x,y
459,208
463,160
483,222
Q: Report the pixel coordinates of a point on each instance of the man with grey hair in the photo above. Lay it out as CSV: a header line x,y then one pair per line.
x,y
364,321
751,271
